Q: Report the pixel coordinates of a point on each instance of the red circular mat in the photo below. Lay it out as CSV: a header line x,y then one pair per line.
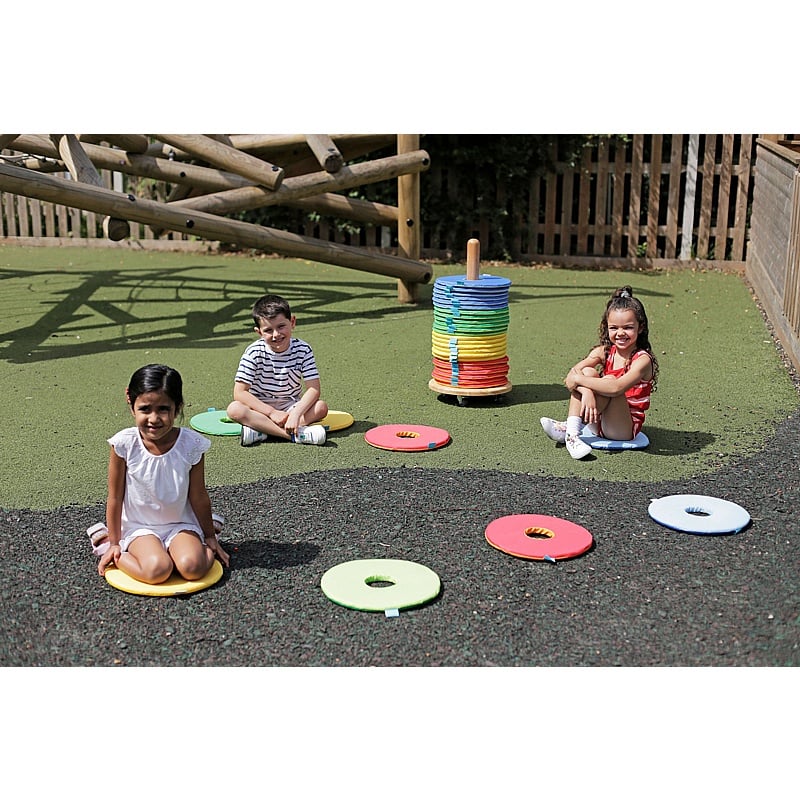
x,y
406,437
538,537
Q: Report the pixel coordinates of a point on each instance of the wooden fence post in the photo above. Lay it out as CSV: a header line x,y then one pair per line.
x,y
408,223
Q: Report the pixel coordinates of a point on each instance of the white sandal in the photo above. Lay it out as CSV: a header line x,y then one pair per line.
x,y
98,534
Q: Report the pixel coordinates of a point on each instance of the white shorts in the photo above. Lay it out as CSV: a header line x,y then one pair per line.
x,y
165,535
281,403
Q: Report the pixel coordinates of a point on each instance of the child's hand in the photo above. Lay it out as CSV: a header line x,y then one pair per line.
x,y
213,544
112,554
279,417
571,381
292,422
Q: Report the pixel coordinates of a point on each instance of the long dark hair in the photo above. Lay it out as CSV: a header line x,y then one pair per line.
x,y
623,300
157,378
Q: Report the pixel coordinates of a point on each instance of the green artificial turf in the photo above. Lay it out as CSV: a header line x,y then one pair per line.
x,y
76,323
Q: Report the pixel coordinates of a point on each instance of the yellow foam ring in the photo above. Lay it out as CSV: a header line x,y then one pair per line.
x,y
469,355
336,420
469,348
470,341
174,585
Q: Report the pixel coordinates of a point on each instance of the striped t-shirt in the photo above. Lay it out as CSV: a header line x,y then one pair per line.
x,y
277,375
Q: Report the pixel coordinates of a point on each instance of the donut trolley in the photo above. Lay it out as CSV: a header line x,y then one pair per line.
x,y
469,338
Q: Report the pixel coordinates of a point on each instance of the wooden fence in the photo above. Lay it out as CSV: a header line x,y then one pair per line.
x,y
631,197
773,262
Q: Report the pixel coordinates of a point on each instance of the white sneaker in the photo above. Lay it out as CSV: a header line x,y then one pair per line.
x,y
251,436
310,434
576,447
592,429
557,431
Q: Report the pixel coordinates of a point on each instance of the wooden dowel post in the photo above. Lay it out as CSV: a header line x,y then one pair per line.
x,y
473,260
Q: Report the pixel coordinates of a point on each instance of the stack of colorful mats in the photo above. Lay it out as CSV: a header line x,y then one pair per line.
x,y
470,324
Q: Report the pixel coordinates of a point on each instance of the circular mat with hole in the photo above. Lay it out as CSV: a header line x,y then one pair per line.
x,y
407,437
639,442
361,585
216,423
174,585
538,537
697,513
336,420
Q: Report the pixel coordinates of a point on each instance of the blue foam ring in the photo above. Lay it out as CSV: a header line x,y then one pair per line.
x,y
431,445
550,559
212,409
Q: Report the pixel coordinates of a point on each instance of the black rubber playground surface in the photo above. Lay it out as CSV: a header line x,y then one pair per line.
x,y
644,595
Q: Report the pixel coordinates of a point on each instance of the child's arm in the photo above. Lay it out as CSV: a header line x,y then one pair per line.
x,y
595,358
608,385
116,494
305,403
201,505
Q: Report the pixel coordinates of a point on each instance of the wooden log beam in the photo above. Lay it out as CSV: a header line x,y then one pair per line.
x,y
129,142
349,208
39,164
228,158
160,169
279,142
82,169
207,226
249,197
325,151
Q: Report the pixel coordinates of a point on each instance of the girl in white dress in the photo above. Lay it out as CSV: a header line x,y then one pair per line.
x,y
158,512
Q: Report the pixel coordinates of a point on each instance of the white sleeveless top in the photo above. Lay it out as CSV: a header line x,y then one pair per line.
x,y
157,486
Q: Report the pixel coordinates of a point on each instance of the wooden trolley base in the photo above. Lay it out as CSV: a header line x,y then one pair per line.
x,y
463,392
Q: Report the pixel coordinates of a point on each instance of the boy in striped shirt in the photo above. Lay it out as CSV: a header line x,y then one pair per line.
x,y
277,385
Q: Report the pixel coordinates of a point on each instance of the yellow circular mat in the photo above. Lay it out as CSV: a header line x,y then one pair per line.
x,y
336,420
175,584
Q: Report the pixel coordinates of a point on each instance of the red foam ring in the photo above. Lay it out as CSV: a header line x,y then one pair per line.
x,y
407,437
509,535
483,373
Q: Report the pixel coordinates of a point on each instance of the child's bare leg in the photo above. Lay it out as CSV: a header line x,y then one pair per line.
x,y
314,414
616,419
146,560
191,557
244,415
